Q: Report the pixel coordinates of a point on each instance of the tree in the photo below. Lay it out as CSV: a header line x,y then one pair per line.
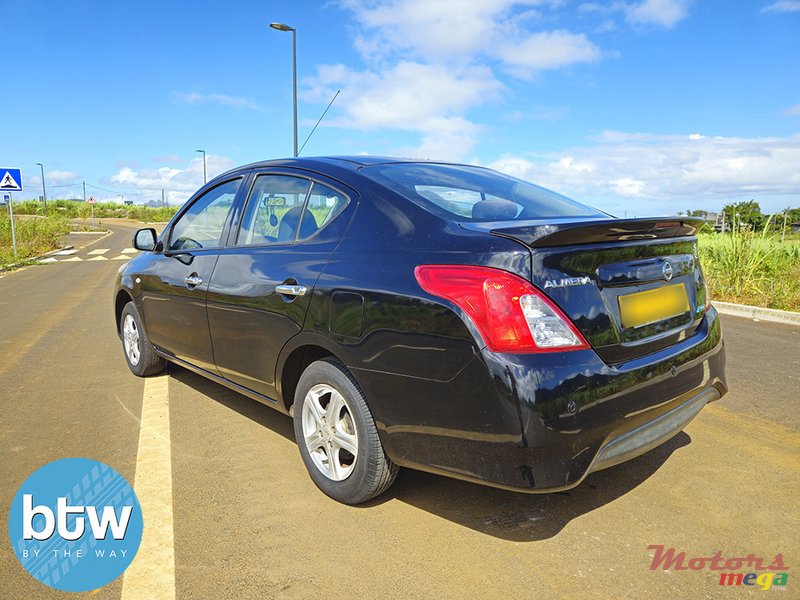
x,y
748,212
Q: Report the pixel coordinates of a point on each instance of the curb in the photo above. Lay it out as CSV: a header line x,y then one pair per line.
x,y
88,232
757,313
35,258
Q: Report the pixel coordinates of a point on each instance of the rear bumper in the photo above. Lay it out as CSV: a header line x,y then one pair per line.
x,y
543,422
653,433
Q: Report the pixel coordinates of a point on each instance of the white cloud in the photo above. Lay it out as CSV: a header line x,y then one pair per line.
x,y
179,183
221,99
428,64
785,6
663,172
664,13
409,96
547,50
459,31
434,30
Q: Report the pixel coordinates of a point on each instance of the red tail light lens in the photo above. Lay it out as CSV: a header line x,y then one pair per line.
x,y
510,313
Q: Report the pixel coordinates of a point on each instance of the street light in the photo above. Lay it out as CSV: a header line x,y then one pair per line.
x,y
44,189
282,27
205,180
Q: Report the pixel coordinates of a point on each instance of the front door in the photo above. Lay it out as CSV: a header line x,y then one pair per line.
x,y
175,284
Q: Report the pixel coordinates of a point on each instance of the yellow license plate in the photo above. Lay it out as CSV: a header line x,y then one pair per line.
x,y
651,306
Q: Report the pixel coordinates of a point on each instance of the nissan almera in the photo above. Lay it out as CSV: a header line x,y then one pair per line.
x,y
435,316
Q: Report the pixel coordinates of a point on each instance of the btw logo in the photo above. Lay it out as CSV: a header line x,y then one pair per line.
x,y
75,524
59,520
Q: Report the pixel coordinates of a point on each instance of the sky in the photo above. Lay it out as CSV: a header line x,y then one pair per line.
x,y
637,107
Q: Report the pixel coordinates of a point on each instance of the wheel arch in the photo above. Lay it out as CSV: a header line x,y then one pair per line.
x,y
120,300
295,357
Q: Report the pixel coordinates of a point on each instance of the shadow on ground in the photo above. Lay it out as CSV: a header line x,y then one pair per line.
x,y
502,514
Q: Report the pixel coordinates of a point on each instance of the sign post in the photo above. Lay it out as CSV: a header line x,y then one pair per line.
x,y
91,202
11,181
7,198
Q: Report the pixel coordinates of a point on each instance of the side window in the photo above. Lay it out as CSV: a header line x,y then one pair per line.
x,y
202,224
284,209
324,203
274,210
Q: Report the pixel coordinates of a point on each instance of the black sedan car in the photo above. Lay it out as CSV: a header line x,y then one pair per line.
x,y
436,316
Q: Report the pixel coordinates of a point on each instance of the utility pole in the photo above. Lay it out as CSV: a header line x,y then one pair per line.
x,y
163,204
84,192
44,189
205,176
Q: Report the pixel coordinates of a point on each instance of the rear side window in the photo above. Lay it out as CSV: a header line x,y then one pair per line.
x,y
202,224
465,193
283,209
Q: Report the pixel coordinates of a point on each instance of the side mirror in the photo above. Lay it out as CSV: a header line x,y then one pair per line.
x,y
145,239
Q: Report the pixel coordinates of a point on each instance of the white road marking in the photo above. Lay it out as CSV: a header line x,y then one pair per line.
x,y
121,257
97,258
73,259
152,573
130,251
48,260
98,251
65,252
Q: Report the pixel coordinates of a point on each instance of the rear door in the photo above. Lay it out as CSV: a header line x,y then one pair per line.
x,y
263,281
175,283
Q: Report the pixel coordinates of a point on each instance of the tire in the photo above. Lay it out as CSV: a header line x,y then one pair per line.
x,y
139,352
360,469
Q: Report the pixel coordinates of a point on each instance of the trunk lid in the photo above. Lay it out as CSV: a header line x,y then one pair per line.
x,y
631,286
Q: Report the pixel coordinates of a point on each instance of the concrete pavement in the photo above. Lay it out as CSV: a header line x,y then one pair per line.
x,y
249,523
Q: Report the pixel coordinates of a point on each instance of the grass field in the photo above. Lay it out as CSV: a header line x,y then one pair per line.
x,y
34,237
752,268
102,210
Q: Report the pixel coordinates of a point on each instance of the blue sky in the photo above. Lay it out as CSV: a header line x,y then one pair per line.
x,y
636,106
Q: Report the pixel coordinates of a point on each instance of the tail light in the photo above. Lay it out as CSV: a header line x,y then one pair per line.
x,y
510,313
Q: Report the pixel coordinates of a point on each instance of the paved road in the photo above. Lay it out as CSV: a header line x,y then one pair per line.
x,y
248,522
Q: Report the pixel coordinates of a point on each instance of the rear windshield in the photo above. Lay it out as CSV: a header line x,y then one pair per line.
x,y
464,193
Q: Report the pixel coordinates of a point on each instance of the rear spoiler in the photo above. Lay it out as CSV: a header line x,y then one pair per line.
x,y
538,235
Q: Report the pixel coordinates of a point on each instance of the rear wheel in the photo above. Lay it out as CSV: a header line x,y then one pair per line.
x,y
139,352
337,437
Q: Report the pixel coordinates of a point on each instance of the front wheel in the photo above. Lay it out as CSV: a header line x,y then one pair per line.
x,y
139,352
337,437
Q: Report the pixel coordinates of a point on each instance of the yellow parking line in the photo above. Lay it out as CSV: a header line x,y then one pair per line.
x,y
152,573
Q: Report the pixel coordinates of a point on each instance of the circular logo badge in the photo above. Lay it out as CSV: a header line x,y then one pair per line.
x,y
75,524
667,271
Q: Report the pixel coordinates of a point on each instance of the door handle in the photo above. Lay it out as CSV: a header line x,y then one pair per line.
x,y
291,290
193,280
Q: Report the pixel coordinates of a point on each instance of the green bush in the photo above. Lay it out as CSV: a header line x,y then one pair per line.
x,y
34,236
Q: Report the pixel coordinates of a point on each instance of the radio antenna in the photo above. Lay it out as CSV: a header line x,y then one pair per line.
x,y
318,122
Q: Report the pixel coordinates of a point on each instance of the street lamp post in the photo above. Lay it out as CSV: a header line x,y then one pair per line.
x,y
44,189
205,178
282,27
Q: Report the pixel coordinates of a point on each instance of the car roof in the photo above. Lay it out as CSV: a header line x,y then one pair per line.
x,y
352,163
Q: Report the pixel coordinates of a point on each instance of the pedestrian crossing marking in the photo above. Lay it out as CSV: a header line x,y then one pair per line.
x,y
120,257
48,260
98,251
73,259
130,251
96,258
65,252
